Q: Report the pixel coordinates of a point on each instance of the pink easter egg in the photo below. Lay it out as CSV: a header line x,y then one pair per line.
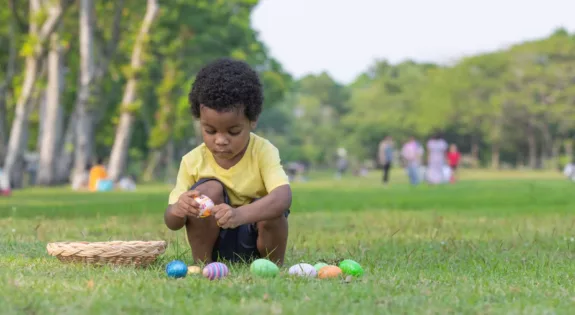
x,y
215,270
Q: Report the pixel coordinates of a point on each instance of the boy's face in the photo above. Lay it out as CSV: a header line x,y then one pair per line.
x,y
226,134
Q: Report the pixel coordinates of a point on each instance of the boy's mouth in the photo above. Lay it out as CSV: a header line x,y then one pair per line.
x,y
223,153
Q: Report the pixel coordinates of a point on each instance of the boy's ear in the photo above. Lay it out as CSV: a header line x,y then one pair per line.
x,y
253,124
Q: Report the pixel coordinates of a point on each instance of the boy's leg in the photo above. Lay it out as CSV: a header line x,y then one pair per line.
x,y
203,232
272,238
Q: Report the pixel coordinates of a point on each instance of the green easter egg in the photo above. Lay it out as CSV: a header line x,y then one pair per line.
x,y
351,267
264,268
319,265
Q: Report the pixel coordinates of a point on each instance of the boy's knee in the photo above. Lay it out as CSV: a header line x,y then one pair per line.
x,y
201,227
213,189
273,224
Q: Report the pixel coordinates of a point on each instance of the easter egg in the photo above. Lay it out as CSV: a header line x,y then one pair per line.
x,y
176,269
206,205
264,268
305,270
351,267
329,272
194,270
319,265
215,270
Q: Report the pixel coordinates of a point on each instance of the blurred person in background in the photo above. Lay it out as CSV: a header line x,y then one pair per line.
x,y
385,157
436,153
411,153
453,158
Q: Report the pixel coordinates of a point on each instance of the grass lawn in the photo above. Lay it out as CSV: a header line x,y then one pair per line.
x,y
494,243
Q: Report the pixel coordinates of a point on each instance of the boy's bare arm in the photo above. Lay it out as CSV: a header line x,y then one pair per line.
x,y
173,222
269,207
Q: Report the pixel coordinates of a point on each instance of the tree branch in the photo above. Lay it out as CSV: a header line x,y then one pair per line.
x,y
56,13
107,50
19,21
115,38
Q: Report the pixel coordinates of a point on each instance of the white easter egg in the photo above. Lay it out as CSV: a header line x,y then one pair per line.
x,y
206,204
305,270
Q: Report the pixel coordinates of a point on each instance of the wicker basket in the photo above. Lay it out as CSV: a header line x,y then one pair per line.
x,y
135,253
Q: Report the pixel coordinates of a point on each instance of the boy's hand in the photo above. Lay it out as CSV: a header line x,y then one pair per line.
x,y
226,216
186,205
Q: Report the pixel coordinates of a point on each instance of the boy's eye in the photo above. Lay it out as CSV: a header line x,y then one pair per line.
x,y
235,133
210,132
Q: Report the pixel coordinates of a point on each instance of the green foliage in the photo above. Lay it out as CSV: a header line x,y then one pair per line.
x,y
511,106
494,102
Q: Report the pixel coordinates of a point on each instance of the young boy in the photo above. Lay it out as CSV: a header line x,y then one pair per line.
x,y
240,171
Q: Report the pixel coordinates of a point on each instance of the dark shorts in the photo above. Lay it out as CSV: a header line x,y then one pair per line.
x,y
239,244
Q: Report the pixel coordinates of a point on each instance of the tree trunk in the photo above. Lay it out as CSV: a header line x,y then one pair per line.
x,y
40,106
18,132
568,145
79,144
547,147
554,160
52,117
18,136
65,159
171,171
85,120
532,146
4,87
124,130
495,153
3,122
154,159
475,150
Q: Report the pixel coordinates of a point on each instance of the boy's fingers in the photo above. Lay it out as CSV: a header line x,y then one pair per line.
x,y
222,221
217,212
187,208
190,202
193,193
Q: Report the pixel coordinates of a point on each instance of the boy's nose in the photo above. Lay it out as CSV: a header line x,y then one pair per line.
x,y
221,140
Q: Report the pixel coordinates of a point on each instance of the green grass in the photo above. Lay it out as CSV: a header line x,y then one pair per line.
x,y
492,244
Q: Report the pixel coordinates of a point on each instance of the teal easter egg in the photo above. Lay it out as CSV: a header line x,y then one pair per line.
x,y
319,265
351,267
264,268
176,269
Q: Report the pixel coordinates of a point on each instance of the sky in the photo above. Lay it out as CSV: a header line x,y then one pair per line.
x,y
345,37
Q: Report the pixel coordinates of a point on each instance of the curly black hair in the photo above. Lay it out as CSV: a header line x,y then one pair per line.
x,y
227,84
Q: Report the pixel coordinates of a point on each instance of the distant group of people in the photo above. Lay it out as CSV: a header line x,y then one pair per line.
x,y
441,163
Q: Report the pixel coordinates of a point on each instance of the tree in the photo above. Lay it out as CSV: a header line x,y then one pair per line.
x,y
129,105
53,114
34,51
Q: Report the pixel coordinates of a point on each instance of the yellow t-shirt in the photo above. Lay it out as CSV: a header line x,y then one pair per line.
x,y
254,176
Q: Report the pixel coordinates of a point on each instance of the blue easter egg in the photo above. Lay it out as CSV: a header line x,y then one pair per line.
x,y
176,269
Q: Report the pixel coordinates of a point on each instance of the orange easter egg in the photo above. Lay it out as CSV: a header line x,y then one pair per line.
x,y
329,272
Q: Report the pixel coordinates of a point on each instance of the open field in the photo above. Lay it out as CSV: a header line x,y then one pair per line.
x,y
494,243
